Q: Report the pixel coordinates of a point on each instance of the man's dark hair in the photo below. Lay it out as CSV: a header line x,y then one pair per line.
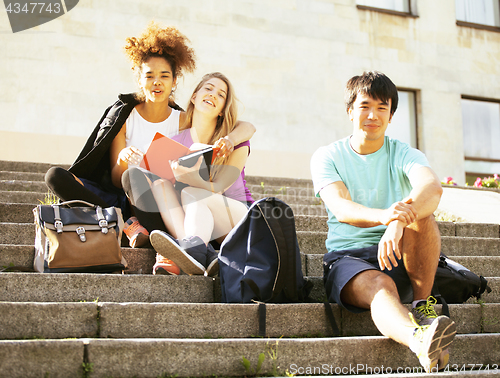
x,y
374,84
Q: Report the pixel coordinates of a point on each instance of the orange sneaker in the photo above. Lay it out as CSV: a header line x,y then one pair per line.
x,y
165,266
137,235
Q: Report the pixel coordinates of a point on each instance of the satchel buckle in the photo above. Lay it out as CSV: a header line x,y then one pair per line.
x,y
103,223
81,233
59,226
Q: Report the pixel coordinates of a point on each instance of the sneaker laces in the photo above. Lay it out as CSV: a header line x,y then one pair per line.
x,y
426,310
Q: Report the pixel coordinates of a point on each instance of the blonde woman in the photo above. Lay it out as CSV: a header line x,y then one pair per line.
x,y
204,210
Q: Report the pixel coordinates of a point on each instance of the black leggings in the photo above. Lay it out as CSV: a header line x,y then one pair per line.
x,y
64,185
137,187
135,184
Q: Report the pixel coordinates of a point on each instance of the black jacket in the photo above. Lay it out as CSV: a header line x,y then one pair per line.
x,y
93,162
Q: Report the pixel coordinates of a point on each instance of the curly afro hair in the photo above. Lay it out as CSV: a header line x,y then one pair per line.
x,y
166,43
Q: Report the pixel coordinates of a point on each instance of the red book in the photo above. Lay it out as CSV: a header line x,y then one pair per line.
x,y
163,149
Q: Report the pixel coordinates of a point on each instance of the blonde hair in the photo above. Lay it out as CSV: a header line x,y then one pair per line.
x,y
225,122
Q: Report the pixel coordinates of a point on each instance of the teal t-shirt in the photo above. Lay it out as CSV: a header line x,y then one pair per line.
x,y
376,181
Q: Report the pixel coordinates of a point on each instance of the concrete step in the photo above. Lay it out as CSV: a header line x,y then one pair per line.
x,y
16,196
311,242
483,230
144,325
278,182
71,287
74,287
140,260
33,167
11,212
59,320
299,206
24,176
222,357
282,191
292,200
22,166
23,185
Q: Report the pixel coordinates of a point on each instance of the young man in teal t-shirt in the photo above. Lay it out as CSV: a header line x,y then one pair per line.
x,y
383,242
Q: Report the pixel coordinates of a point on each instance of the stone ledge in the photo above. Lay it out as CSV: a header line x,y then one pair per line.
x,y
41,358
48,320
71,287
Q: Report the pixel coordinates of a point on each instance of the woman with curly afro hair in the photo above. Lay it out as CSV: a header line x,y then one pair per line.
x,y
101,173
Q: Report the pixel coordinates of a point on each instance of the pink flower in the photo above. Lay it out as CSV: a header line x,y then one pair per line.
x,y
478,183
495,176
449,180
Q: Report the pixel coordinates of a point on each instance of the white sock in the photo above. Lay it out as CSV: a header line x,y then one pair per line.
x,y
414,345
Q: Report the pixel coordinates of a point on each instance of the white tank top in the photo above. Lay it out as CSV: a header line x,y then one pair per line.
x,y
140,133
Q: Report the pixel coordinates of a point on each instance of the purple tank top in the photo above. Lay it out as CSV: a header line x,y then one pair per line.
x,y
238,190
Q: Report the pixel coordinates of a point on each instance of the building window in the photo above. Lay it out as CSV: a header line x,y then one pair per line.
x,y
402,6
403,126
482,12
481,127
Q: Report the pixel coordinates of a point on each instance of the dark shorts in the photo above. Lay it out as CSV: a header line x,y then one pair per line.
x,y
339,267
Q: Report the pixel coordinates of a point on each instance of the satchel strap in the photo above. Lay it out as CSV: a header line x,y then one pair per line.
x,y
58,224
103,223
76,201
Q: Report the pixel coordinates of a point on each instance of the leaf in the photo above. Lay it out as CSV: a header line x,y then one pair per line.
x,y
246,364
260,361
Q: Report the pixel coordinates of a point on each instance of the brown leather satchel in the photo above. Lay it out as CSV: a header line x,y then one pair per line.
x,y
78,239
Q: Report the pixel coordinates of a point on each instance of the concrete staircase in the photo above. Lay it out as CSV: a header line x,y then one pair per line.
x,y
140,325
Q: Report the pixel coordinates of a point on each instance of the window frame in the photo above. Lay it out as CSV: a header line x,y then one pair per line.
x,y
475,158
411,13
416,108
476,25
483,99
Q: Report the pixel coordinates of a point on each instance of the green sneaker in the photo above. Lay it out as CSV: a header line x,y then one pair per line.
x,y
429,341
424,314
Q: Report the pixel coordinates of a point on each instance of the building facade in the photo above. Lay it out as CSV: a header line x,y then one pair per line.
x,y
288,60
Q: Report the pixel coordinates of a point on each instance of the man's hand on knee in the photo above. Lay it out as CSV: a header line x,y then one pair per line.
x,y
389,246
400,211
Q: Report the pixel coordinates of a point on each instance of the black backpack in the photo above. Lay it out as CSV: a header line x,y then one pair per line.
x,y
455,283
260,261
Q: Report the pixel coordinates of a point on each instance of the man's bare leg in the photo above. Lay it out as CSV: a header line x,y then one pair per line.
x,y
374,290
421,249
377,291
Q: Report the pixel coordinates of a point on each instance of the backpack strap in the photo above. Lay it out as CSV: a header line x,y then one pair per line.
x,y
262,319
252,286
484,287
287,263
331,318
435,293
